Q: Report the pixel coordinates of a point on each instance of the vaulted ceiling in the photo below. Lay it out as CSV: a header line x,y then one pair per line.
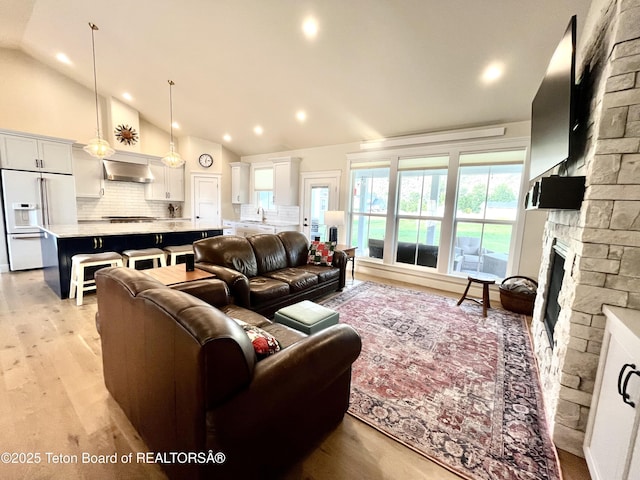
x,y
376,68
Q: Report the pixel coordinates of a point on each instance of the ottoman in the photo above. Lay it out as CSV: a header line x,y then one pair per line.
x,y
306,316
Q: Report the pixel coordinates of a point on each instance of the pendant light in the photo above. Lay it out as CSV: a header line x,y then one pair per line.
x,y
172,158
97,147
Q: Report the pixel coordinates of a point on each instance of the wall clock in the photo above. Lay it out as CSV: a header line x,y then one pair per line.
x,y
205,160
126,134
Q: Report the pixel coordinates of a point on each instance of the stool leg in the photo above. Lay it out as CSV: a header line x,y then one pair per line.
x,y
163,262
485,299
80,280
72,284
464,295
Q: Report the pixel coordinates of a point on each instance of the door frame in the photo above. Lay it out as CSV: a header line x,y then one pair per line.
x,y
193,194
309,179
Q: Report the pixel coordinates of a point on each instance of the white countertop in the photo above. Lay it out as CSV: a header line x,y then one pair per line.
x,y
106,229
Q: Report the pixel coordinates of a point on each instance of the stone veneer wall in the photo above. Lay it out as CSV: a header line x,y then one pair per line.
x,y
602,265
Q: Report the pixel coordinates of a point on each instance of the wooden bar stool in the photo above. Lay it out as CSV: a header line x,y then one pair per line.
x,y
132,256
485,292
175,251
83,260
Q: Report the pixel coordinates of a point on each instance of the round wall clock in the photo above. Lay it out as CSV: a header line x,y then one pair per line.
x,y
126,134
205,160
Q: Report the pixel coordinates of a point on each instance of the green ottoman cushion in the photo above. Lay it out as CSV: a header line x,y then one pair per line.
x,y
306,316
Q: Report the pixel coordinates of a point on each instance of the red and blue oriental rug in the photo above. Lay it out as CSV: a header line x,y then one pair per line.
x,y
459,388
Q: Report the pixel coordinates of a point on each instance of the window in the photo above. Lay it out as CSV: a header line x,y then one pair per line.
x,y
369,208
486,211
263,188
443,207
422,184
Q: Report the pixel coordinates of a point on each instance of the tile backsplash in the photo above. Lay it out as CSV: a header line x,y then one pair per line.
x,y
289,214
120,199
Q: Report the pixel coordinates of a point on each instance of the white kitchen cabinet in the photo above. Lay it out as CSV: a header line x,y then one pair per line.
x,y
286,177
36,154
240,182
612,438
88,173
168,183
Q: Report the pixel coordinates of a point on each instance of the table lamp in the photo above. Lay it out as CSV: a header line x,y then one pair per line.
x,y
333,219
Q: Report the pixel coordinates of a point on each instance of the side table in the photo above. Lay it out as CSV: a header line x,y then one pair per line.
x,y
351,256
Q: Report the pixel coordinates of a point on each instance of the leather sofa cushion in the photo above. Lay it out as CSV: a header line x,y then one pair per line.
x,y
296,246
227,251
286,336
264,289
324,274
269,252
296,278
248,316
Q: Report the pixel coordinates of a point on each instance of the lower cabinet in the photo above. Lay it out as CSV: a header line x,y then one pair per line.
x,y
612,442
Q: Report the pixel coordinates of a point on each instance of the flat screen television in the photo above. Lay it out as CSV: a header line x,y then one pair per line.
x,y
553,111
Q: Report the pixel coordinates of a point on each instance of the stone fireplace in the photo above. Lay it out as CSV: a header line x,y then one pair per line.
x,y
601,241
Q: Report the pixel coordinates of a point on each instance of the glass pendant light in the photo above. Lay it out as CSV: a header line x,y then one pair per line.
x,y
172,158
97,147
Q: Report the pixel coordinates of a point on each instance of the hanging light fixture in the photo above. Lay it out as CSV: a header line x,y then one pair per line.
x,y
97,147
172,158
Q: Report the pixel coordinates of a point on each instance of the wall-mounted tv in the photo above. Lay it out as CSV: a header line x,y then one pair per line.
x,y
553,111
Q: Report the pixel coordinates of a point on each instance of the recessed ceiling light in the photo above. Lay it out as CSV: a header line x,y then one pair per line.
x,y
127,96
61,57
175,125
258,130
310,28
492,73
301,115
227,137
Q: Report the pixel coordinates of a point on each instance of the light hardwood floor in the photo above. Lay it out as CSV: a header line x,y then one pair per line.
x,y
53,403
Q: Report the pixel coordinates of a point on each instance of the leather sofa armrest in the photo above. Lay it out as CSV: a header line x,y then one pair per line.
x,y
237,282
292,375
340,261
212,291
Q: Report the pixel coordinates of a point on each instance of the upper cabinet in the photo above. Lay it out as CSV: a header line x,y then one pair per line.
x,y
286,173
240,182
168,182
35,154
88,174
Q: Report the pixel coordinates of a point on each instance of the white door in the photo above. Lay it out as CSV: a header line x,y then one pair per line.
x,y
320,194
206,198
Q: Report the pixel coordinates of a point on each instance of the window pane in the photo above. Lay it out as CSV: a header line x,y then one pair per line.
x,y
422,192
504,189
264,200
418,242
472,192
367,233
370,190
482,248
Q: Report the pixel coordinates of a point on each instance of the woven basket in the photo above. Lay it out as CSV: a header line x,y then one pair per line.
x,y
518,302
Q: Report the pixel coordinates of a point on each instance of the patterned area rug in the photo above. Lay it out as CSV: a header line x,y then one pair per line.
x,y
456,387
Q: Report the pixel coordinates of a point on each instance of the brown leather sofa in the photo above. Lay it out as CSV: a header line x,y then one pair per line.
x,y
266,272
187,377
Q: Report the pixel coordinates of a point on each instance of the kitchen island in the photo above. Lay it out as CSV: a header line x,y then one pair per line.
x,y
61,242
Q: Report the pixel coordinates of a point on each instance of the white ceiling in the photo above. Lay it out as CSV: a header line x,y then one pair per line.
x,y
377,68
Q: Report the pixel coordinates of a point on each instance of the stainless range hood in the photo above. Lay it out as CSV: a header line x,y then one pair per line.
x,y
127,172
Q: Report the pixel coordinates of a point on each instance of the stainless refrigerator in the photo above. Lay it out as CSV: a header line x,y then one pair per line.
x,y
31,199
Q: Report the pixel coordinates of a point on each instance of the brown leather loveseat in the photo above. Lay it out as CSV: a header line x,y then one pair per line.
x,y
188,378
266,272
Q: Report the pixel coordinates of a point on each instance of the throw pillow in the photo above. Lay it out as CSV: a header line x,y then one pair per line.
x,y
263,342
321,253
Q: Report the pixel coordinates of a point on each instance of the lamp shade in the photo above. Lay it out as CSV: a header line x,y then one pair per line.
x,y
334,218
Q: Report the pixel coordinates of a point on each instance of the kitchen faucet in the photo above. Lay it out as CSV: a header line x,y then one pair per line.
x,y
261,213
